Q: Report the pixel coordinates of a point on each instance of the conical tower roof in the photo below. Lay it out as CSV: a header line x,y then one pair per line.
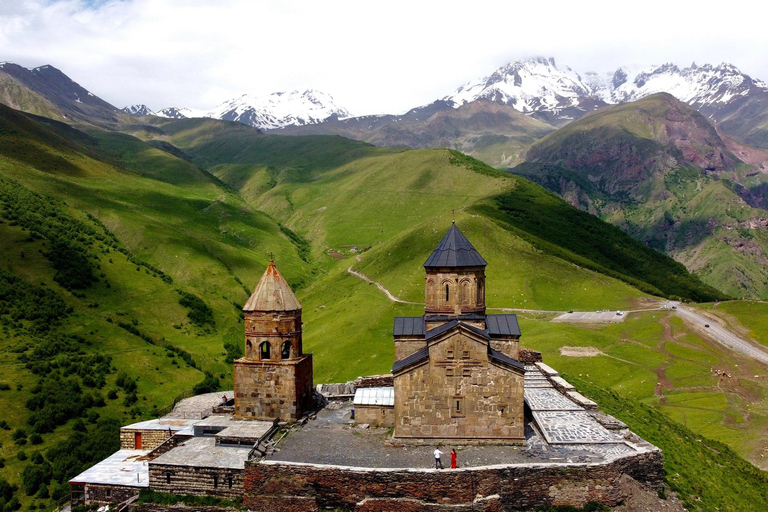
x,y
453,251
272,293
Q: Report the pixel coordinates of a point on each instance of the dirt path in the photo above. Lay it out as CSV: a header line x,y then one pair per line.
x,y
381,287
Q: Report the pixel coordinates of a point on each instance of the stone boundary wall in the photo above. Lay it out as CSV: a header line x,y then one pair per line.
x,y
104,493
197,481
271,486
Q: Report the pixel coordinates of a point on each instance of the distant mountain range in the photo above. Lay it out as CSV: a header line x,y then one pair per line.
x,y
277,110
671,168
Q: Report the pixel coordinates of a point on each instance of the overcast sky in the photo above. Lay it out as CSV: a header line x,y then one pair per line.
x,y
372,56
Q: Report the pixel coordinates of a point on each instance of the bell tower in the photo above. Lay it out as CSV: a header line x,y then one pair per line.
x,y
454,282
274,377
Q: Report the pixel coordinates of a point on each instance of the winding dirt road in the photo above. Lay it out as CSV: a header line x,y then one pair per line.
x,y
698,320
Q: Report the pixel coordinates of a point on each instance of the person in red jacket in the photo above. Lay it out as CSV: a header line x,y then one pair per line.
x,y
453,458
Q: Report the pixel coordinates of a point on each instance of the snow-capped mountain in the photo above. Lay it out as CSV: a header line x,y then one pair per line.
x,y
278,110
530,86
699,86
138,110
181,113
539,86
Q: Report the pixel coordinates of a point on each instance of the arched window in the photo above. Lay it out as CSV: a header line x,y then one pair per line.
x,y
248,348
464,293
480,292
265,349
286,353
447,292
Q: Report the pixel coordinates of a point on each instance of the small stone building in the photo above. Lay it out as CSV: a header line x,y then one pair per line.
x,y
375,406
148,435
274,377
457,374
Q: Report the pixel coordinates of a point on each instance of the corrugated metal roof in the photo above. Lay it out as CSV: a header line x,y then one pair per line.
x,y
384,396
414,358
409,326
502,325
272,293
454,250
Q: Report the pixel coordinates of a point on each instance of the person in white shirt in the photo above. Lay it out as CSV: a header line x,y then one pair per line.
x,y
438,461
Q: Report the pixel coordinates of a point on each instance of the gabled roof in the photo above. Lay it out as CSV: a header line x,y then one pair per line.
x,y
416,357
454,250
502,325
500,357
272,293
448,326
409,326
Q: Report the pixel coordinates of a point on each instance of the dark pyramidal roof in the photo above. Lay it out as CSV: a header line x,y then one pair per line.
x,y
454,250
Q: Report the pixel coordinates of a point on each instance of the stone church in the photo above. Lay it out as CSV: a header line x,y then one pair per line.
x,y
457,374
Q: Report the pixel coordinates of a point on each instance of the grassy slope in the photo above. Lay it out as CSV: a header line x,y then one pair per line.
x,y
693,215
163,211
696,466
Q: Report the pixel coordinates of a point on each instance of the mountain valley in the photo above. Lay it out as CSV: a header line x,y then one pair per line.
x,y
174,219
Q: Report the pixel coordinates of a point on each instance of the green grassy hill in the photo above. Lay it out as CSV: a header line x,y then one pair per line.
x,y
492,132
144,260
658,170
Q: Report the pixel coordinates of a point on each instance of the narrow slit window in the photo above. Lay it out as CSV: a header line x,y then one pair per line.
x,y
447,293
215,481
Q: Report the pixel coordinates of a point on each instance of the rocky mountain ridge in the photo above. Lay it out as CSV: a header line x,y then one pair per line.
x,y
539,87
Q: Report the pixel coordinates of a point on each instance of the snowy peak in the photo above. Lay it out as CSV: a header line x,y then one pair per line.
x,y
699,86
138,110
539,86
277,110
529,85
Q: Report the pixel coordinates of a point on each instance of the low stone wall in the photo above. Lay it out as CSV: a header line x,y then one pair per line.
x,y
197,481
375,381
529,356
104,494
285,487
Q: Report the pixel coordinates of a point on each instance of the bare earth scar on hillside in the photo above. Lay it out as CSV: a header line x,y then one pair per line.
x,y
579,352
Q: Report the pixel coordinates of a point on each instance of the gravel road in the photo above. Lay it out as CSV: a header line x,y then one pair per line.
x,y
723,335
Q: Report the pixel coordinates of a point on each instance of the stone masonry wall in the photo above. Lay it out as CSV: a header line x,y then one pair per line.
x,y
375,415
197,481
103,494
266,390
150,439
459,394
284,487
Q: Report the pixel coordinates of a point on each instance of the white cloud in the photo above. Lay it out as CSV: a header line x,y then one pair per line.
x,y
372,56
